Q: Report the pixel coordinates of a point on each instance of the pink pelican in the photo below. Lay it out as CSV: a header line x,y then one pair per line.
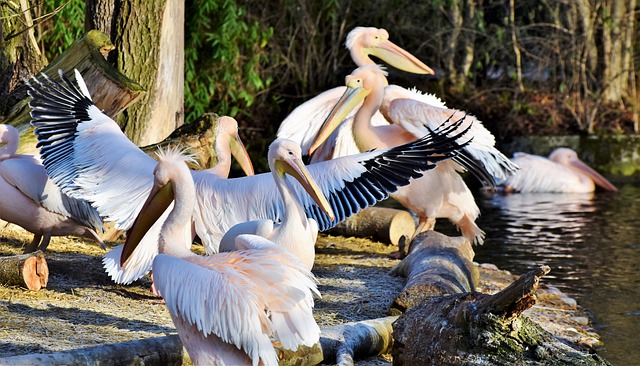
x,y
303,123
31,200
561,172
296,232
226,306
438,193
88,156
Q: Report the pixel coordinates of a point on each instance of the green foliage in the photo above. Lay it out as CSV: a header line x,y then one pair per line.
x,y
223,58
61,30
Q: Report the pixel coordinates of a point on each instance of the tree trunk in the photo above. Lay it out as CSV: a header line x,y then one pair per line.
x,y
149,39
20,57
25,270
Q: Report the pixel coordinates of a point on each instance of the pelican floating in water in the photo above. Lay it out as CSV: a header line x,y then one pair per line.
x,y
88,156
29,199
226,306
295,231
438,193
303,123
561,172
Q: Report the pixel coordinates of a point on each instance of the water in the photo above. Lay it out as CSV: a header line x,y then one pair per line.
x,y
592,244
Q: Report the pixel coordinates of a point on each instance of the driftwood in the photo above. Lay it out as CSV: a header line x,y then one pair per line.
x,y
24,270
338,344
450,324
111,91
386,225
436,265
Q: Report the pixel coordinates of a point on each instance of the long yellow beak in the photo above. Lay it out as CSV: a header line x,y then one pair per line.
x,y
295,168
597,178
351,98
239,152
399,58
159,200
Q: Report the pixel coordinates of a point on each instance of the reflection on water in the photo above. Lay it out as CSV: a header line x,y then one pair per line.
x,y
592,244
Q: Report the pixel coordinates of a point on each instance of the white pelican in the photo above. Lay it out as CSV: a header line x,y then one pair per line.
x,y
561,172
226,306
29,199
303,123
440,192
295,232
88,156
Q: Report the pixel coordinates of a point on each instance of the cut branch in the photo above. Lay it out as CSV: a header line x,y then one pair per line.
x,y
25,270
386,225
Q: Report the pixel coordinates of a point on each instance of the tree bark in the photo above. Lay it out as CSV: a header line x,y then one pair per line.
x,y
111,91
20,56
386,225
150,49
25,270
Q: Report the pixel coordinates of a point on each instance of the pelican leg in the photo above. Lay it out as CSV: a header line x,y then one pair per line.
x,y
34,244
424,224
45,242
470,230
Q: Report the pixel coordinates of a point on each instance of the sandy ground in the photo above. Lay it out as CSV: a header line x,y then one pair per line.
x,y
81,307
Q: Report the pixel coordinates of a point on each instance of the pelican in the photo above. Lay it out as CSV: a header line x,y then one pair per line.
x,y
226,306
438,193
227,144
295,231
30,200
87,155
303,123
561,172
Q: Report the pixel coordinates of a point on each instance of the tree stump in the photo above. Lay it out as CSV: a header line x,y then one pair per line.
x,y
386,225
24,270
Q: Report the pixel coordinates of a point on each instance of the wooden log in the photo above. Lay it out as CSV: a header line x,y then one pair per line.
x,y
386,225
436,265
476,328
111,91
340,344
24,270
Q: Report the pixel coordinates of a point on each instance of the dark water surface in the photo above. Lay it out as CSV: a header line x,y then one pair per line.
x,y
592,244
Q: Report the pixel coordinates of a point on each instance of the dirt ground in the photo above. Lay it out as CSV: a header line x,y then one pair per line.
x,y
81,307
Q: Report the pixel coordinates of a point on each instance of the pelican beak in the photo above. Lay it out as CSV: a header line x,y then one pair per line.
x,y
295,168
159,200
595,176
351,98
239,152
399,58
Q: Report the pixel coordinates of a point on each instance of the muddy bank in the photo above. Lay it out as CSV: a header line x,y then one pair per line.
x,y
81,307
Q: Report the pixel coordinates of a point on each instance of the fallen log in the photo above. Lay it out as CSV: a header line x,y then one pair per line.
x,y
386,225
24,270
111,91
445,322
340,344
436,265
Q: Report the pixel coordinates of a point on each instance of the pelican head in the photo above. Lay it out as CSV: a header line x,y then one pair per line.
x,y
228,126
171,167
360,83
9,139
569,158
365,41
285,157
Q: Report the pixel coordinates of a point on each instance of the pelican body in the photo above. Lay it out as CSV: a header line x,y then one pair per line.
x,y
296,232
226,306
30,200
561,172
88,156
438,193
